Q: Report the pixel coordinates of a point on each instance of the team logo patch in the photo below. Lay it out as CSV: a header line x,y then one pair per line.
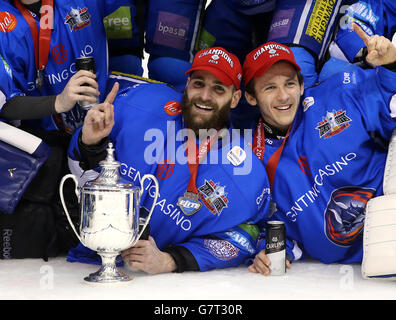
x,y
8,22
333,123
78,19
213,197
59,54
173,108
165,169
345,214
221,249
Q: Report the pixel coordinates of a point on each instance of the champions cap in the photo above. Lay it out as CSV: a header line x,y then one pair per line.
x,y
259,60
224,65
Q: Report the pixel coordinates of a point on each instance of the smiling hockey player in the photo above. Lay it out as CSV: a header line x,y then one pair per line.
x,y
323,164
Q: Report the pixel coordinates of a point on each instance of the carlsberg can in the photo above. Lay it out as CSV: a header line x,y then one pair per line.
x,y
275,247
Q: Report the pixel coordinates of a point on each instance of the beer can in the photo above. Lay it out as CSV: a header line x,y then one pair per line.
x,y
275,246
86,63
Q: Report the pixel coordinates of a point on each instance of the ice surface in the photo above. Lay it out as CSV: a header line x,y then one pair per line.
x,y
58,279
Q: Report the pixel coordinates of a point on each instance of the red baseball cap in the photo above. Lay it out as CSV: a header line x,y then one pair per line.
x,y
224,65
258,61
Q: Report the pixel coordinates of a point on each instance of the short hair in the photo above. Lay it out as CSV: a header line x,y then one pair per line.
x,y
234,88
249,88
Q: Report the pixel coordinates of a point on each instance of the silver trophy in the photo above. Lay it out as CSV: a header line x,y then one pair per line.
x,y
109,216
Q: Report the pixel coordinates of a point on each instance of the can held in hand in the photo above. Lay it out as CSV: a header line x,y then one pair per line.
x,y
86,63
275,246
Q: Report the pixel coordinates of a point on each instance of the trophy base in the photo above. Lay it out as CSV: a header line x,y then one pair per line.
x,y
99,277
108,272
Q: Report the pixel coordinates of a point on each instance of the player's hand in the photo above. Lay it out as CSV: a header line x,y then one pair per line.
x,y
146,256
380,49
261,264
99,120
76,90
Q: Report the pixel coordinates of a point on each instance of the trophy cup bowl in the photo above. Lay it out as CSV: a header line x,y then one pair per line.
x,y
110,221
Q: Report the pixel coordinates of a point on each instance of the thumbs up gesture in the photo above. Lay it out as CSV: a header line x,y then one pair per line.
x,y
380,49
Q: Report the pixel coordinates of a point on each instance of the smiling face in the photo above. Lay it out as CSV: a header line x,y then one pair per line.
x,y
277,94
207,101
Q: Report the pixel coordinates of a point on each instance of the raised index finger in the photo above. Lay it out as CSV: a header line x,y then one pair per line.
x,y
363,35
113,93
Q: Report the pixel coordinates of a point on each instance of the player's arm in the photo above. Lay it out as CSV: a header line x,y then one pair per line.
x,y
28,107
218,251
146,256
88,143
222,250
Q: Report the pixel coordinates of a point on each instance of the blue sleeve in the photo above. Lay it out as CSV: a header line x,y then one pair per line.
x,y
307,63
83,254
377,87
8,89
349,43
367,15
367,93
14,50
223,250
73,150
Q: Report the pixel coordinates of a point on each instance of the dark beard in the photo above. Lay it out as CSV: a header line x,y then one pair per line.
x,y
219,119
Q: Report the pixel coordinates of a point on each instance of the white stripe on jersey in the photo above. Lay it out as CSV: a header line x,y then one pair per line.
x,y
301,25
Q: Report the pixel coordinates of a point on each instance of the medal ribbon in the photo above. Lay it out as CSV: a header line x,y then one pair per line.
x,y
259,149
42,37
195,158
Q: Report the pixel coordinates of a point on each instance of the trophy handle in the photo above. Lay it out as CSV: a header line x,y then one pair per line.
x,y
149,176
63,200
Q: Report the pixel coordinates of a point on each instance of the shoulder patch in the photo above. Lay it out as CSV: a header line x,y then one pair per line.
x,y
173,108
8,22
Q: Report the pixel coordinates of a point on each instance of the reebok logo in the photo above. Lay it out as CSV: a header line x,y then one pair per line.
x,y
7,248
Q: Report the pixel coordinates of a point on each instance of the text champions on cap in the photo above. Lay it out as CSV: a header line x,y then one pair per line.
x,y
219,53
269,47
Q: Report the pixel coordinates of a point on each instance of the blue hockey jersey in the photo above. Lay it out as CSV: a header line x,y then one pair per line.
x,y
148,138
78,31
331,165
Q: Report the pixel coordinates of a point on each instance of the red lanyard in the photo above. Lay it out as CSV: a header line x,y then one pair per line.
x,y
259,149
195,157
42,37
